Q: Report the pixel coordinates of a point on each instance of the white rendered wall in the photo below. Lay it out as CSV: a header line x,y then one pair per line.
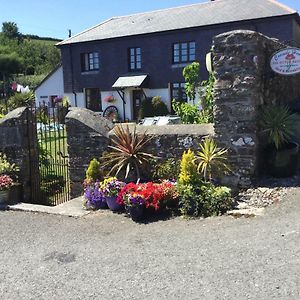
x,y
80,99
52,86
163,93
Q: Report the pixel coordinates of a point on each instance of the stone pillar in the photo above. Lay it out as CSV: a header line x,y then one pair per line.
x,y
238,64
15,131
87,138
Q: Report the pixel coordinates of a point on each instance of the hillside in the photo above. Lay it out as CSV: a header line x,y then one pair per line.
x,y
26,58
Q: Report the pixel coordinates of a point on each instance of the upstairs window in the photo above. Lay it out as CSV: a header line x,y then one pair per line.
x,y
178,92
89,61
184,52
135,59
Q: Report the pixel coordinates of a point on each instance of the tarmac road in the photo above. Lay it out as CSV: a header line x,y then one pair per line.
x,y
106,256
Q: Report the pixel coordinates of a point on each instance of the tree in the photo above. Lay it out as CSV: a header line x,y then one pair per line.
x,y
10,63
191,74
10,30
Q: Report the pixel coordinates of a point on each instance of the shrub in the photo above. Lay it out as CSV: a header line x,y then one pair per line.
x,y
6,167
146,109
168,169
20,100
93,172
211,160
188,169
204,200
189,114
207,100
191,74
159,107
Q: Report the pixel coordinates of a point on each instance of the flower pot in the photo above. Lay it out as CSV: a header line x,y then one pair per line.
x,y
113,204
101,204
284,162
3,197
136,212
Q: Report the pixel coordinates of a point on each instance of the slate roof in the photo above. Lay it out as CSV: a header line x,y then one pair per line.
x,y
202,14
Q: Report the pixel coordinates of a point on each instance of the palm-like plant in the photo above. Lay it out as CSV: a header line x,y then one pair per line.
x,y
211,159
127,152
279,124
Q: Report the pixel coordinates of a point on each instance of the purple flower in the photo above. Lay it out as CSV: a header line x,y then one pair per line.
x,y
94,195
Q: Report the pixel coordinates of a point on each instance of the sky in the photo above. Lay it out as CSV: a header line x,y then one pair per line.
x,y
53,18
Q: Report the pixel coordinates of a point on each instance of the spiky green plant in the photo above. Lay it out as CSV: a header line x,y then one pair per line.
x,y
279,124
127,152
211,159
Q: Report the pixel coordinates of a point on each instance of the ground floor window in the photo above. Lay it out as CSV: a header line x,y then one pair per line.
x,y
93,99
178,91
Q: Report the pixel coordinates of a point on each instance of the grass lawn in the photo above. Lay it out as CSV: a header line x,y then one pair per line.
x,y
54,165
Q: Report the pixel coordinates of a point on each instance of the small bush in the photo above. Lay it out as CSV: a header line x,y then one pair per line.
x,y
146,109
188,113
204,200
93,172
20,100
169,169
188,169
159,107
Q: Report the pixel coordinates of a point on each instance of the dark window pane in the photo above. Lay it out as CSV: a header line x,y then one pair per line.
x,y
93,99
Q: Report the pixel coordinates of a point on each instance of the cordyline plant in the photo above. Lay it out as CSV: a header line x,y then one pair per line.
x,y
211,160
127,152
279,124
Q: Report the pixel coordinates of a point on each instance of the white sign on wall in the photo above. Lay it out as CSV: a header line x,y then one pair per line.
x,y
286,61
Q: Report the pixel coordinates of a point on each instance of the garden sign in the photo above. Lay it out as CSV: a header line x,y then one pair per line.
x,y
286,61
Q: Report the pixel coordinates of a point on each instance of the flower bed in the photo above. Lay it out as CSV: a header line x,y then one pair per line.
x,y
145,197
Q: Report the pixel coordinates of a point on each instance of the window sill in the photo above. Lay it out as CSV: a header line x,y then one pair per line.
x,y
89,72
181,65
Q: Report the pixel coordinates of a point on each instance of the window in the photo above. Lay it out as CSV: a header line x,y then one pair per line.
x,y
89,62
93,99
178,92
135,59
184,52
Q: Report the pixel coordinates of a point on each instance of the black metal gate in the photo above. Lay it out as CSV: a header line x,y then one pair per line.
x,y
49,163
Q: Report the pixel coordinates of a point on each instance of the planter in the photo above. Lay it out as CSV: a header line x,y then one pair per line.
x,y
3,197
102,205
113,204
136,213
284,162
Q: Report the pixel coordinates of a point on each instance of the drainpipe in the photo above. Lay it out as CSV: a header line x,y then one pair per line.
x,y
72,74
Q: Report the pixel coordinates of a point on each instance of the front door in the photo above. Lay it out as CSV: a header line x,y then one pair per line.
x,y
137,97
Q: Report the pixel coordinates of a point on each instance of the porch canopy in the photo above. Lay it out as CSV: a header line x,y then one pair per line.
x,y
124,82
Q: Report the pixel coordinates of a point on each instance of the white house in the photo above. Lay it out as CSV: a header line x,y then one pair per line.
x,y
51,87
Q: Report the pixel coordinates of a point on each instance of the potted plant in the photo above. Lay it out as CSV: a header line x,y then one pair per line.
x,y
8,175
279,126
111,188
6,182
94,197
132,198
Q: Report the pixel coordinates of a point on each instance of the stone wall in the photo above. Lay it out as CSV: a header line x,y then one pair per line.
x,y
19,143
244,83
87,138
89,135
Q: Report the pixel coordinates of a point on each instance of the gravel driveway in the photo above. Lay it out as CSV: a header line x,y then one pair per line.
x,y
106,256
